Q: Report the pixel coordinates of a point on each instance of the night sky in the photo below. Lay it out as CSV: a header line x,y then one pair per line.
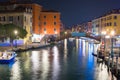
x,y
78,11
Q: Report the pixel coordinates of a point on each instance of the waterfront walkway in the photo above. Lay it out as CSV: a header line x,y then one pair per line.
x,y
21,46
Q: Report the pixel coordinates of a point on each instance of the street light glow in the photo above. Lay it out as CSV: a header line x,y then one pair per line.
x,y
104,32
112,33
16,32
107,36
65,32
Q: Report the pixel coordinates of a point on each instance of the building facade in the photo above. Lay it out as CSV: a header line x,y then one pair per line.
x,y
107,22
44,22
19,16
50,22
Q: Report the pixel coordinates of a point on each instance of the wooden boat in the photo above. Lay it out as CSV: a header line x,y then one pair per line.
x,y
8,60
99,56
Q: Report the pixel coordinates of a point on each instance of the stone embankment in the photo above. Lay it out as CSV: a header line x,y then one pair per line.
x,y
25,47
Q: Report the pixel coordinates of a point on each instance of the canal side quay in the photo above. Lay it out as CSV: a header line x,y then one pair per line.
x,y
22,48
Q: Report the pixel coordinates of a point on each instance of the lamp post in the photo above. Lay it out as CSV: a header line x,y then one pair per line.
x,y
16,32
104,33
112,34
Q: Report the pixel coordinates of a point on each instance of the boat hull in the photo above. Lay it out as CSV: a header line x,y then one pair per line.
x,y
7,61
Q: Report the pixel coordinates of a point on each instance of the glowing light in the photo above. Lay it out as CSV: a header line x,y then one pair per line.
x,y
107,36
45,32
65,48
112,33
55,32
104,32
16,32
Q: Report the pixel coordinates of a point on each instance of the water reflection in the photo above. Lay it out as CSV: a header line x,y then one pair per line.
x,y
68,61
56,65
35,64
65,48
16,71
44,65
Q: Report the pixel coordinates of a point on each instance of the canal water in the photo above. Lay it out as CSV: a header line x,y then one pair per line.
x,y
70,60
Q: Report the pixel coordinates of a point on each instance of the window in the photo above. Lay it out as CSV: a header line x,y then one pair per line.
x,y
31,19
54,29
44,16
44,29
110,24
115,17
44,23
54,16
39,17
25,18
107,24
115,24
3,18
10,18
101,19
54,23
18,18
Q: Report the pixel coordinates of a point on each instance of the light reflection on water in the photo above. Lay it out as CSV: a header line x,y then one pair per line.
x,y
68,61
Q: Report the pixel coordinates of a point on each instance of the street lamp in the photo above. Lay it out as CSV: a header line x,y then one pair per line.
x,y
16,32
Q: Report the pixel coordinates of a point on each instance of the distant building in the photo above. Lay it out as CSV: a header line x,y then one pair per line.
x,y
87,27
107,22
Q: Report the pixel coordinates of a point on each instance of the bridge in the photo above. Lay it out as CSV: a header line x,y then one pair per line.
x,y
87,35
79,34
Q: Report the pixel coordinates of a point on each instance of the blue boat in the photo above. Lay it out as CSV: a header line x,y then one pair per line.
x,y
11,59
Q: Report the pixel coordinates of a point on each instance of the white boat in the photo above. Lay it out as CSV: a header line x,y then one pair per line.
x,y
7,57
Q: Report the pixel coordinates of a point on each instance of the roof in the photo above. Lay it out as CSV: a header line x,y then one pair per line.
x,y
49,11
17,2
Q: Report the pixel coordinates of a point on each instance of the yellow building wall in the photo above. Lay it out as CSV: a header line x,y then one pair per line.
x,y
114,28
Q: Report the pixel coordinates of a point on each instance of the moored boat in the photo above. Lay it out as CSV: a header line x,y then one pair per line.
x,y
7,57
